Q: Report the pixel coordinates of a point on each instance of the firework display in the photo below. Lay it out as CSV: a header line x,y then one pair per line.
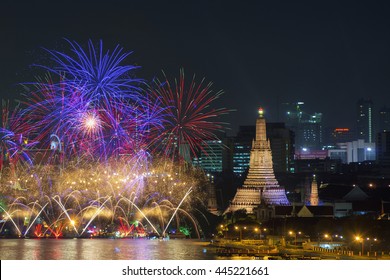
x,y
93,151
190,121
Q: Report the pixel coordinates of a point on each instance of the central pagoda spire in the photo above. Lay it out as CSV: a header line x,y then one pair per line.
x,y
314,192
260,183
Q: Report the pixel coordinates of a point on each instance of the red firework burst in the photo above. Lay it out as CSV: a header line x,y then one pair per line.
x,y
190,119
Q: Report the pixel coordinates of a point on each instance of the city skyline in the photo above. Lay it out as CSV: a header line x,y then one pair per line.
x,y
194,130
260,54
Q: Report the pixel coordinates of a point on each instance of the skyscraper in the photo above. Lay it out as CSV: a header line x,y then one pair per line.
x,y
310,131
307,127
212,156
282,146
384,119
365,120
216,155
242,149
340,135
383,149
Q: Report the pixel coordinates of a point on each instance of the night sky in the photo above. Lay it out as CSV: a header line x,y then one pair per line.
x,y
327,54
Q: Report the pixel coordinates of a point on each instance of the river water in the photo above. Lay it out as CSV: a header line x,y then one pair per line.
x,y
103,249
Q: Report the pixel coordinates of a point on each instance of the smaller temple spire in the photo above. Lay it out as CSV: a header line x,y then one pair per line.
x,y
314,192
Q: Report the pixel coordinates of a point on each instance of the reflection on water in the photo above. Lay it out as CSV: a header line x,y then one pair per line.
x,y
103,249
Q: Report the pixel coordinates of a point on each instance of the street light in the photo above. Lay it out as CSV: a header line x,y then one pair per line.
x,y
361,240
326,236
258,230
240,230
223,230
371,242
293,234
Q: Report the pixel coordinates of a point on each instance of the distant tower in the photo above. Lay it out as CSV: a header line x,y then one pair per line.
x,y
384,119
314,192
212,197
364,120
383,149
307,127
260,183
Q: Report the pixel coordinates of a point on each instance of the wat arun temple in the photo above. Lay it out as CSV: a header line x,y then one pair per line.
x,y
260,186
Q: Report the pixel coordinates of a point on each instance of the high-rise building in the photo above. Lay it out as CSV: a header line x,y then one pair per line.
x,y
359,151
383,149
241,157
242,148
212,156
384,119
282,146
307,127
364,127
310,132
215,155
293,114
337,135
260,184
354,151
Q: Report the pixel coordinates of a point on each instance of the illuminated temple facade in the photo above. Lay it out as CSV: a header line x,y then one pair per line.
x,y
260,185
